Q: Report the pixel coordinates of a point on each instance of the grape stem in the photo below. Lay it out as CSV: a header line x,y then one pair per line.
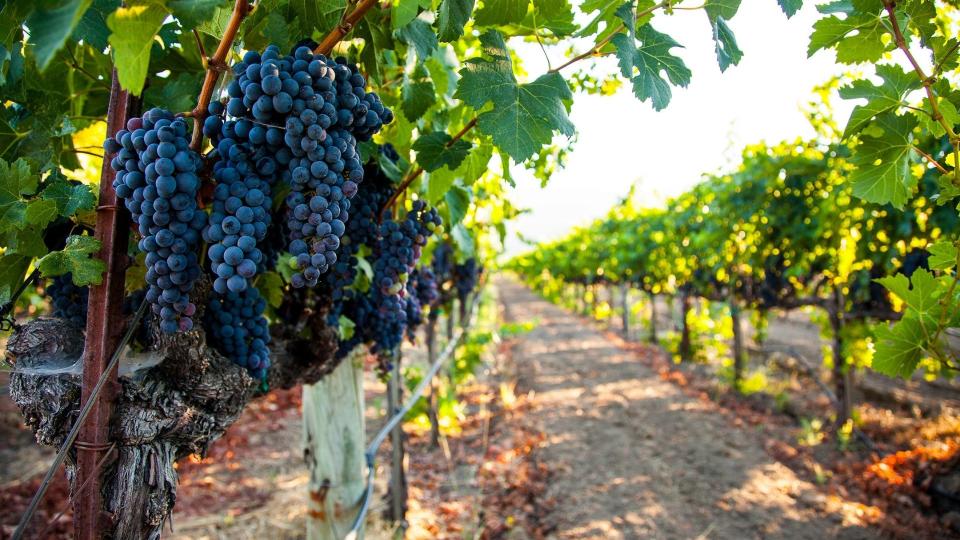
x,y
216,64
419,170
344,27
926,81
593,51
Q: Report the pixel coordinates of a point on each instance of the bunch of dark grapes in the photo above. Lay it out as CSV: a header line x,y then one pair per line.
x,y
246,171
465,278
324,110
157,179
362,229
414,311
239,330
421,293
442,265
68,301
381,314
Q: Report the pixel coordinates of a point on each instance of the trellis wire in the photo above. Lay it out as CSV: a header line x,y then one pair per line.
x,y
371,453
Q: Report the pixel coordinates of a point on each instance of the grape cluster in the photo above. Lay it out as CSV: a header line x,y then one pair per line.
x,y
317,109
465,277
422,292
157,179
239,329
413,310
68,301
246,170
362,229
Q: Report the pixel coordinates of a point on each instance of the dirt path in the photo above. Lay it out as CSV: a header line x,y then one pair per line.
x,y
635,457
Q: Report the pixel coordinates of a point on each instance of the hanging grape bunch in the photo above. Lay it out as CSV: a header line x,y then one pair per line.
x,y
67,300
157,180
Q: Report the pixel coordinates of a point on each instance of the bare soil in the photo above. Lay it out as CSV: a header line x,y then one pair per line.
x,y
633,456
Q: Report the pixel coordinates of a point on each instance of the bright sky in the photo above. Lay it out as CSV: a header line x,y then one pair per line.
x,y
622,141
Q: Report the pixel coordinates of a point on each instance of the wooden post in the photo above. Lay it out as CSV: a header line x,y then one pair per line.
x,y
333,448
625,302
653,317
685,349
431,335
738,351
842,378
671,312
104,330
397,509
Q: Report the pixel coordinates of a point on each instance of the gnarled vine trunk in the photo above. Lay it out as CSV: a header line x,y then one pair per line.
x,y
177,408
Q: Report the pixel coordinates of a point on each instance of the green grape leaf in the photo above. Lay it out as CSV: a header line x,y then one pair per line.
x,y
458,201
858,37
523,120
16,180
554,15
419,35
947,110
477,163
501,12
191,13
943,255
883,160
417,95
790,7
886,97
345,328
76,258
40,213
435,150
919,292
482,79
438,184
133,29
27,242
728,54
402,12
651,60
463,239
270,285
92,27
319,14
12,269
721,9
899,348
177,92
452,17
51,24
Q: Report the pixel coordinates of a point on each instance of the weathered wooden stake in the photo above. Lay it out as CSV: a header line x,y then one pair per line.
x,y
431,338
333,446
398,481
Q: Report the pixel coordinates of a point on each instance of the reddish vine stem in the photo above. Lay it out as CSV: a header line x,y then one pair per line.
x,y
344,27
419,170
216,65
926,81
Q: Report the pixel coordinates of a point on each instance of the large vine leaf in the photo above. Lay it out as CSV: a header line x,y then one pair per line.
x,y
887,97
132,31
12,269
51,25
192,13
75,258
501,12
524,116
437,149
857,36
419,35
452,17
646,65
883,160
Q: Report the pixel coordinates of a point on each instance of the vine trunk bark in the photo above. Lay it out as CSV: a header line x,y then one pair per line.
x,y
333,449
842,377
738,351
653,317
625,303
431,338
397,494
685,306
